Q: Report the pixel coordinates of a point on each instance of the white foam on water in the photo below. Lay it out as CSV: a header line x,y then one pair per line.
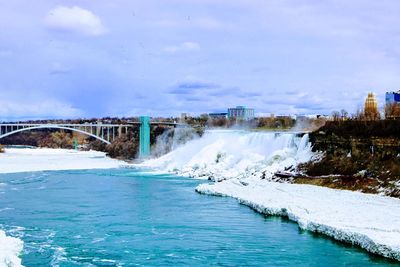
x,y
226,154
10,249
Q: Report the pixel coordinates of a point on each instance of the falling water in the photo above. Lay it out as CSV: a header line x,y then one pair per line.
x,y
224,154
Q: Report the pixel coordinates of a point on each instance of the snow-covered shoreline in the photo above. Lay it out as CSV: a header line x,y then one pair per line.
x,y
369,221
244,163
46,159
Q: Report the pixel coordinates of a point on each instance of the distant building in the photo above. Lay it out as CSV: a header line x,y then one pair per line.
x,y
241,112
218,115
392,107
392,98
371,107
185,116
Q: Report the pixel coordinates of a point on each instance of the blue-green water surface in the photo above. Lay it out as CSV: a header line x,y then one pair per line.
x,y
125,217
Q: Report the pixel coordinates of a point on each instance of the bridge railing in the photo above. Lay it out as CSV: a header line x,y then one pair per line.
x,y
106,132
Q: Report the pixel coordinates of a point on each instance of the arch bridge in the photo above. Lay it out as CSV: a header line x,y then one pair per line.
x,y
103,132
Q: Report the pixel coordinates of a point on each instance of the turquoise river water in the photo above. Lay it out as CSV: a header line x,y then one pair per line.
x,y
124,217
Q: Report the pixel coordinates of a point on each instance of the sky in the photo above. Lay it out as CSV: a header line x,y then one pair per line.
x,y
85,58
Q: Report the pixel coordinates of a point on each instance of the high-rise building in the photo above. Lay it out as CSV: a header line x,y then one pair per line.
x,y
241,112
392,98
392,107
371,107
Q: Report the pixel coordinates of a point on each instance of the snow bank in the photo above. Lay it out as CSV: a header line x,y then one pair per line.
x,y
242,158
25,159
370,221
226,154
10,248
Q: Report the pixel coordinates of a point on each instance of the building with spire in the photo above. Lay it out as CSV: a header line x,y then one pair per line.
x,y
371,107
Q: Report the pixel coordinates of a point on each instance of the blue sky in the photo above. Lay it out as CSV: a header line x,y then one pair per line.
x,y
126,57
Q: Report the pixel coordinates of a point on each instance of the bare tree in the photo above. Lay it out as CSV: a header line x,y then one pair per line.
x,y
336,115
358,115
344,114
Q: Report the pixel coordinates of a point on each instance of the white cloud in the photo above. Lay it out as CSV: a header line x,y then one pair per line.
x,y
74,19
37,109
322,48
186,46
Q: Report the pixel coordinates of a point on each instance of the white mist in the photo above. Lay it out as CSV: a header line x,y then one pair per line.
x,y
225,154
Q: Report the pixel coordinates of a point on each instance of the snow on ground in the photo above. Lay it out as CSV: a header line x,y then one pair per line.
x,y
240,159
45,159
370,221
10,248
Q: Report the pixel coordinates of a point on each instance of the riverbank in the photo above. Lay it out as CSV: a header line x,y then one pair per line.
x,y
45,159
243,165
117,217
356,155
369,221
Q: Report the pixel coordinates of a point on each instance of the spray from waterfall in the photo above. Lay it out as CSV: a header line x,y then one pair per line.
x,y
226,154
172,139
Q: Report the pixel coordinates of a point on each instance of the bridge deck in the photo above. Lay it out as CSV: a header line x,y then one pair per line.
x,y
91,124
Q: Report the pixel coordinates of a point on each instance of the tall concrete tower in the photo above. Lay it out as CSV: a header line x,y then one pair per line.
x,y
371,107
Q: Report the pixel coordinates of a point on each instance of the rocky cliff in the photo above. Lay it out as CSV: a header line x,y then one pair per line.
x,y
356,155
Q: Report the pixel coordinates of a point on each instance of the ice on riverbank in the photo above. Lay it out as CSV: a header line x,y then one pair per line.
x,y
370,221
10,248
242,158
44,159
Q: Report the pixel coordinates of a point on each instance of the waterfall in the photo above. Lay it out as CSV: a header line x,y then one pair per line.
x,y
172,139
225,154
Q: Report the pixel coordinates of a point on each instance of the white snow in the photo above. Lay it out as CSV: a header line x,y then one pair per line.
x,y
239,159
370,221
45,159
10,248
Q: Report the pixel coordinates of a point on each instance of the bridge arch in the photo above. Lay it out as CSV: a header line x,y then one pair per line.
x,y
50,126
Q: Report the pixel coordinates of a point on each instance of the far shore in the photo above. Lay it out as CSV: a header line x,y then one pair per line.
x,y
15,160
